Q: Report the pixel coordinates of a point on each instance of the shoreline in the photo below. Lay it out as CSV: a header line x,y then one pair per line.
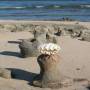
x,y
86,24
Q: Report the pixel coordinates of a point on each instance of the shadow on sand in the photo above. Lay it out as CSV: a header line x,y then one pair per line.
x,y
22,75
14,42
11,53
27,76
88,87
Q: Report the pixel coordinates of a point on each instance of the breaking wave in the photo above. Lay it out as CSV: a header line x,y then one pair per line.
x,y
45,7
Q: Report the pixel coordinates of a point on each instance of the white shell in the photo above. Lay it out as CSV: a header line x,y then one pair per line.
x,y
49,48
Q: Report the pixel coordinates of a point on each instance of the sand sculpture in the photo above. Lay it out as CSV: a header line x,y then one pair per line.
x,y
49,62
5,73
29,48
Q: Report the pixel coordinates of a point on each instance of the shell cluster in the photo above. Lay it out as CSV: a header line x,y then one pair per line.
x,y
49,48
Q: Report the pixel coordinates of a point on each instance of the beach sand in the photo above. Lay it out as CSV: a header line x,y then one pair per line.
x,y
75,62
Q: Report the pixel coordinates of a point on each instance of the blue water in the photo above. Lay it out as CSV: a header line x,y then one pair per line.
x,y
45,9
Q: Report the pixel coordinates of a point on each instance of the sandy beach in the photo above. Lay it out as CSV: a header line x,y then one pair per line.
x,y
87,24
75,62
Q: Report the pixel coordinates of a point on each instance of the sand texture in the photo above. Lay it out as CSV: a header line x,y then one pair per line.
x,y
75,62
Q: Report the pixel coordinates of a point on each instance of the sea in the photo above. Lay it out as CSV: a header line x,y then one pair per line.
x,y
45,9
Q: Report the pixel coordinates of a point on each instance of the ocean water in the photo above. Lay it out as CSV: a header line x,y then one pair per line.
x,y
45,9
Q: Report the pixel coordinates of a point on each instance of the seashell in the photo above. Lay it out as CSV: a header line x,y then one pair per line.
x,y
49,48
48,53
52,47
